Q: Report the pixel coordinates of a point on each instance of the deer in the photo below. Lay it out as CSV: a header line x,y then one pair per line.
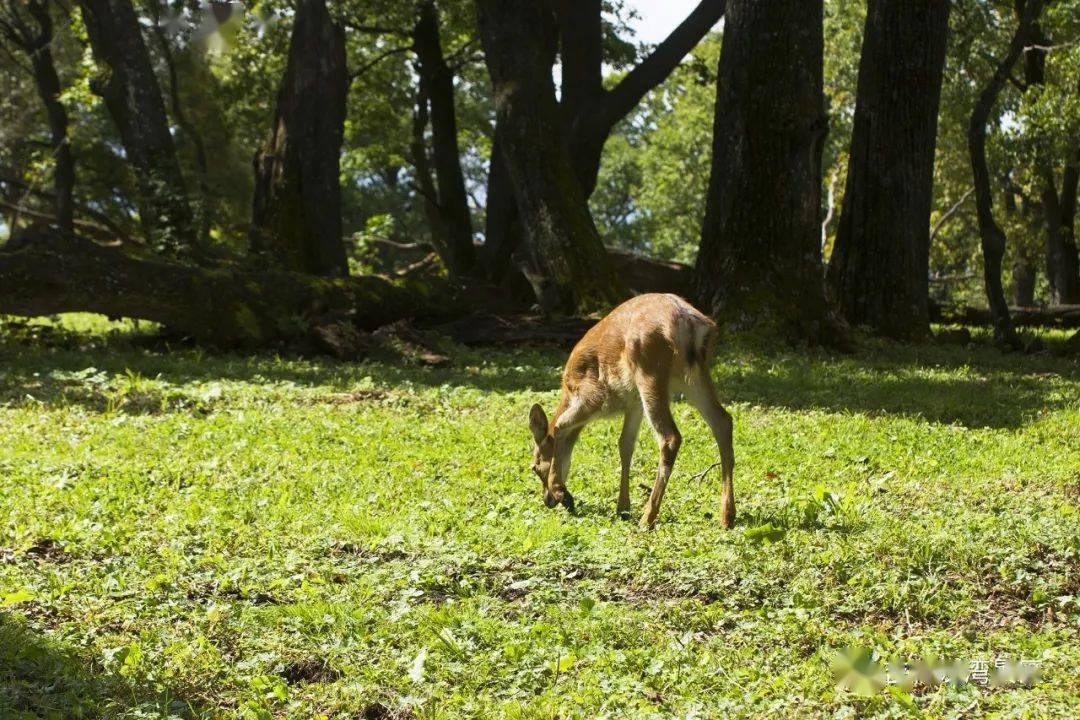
x,y
632,362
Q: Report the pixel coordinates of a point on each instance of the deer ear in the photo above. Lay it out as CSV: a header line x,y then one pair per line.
x,y
538,423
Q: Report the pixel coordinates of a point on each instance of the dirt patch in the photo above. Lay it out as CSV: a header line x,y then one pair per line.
x,y
365,553
348,398
44,550
378,711
309,670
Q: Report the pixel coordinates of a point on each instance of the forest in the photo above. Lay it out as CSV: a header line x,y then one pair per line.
x,y
280,281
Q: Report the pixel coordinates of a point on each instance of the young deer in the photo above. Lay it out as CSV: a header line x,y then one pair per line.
x,y
632,361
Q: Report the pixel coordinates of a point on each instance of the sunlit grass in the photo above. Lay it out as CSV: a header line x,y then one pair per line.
x,y
231,536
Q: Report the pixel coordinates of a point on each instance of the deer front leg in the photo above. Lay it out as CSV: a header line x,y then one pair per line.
x,y
566,431
627,440
658,410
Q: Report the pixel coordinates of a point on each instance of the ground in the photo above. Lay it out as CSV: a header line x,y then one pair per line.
x,y
211,535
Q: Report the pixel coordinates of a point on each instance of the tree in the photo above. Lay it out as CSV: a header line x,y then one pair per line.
x,y
445,197
992,236
569,266
296,216
760,256
36,43
1058,210
126,82
589,112
879,268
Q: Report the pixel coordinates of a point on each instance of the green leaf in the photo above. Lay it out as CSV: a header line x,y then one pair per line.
x,y
16,598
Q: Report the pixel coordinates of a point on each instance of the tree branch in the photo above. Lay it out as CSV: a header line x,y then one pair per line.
x,y
949,213
653,70
356,74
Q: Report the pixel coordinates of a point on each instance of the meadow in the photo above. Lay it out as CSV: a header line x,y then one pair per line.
x,y
199,535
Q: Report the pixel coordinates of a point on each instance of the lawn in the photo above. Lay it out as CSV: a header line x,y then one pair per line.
x,y
211,535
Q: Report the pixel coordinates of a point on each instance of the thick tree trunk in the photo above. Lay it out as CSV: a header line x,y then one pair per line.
x,y
992,236
760,257
502,228
296,218
127,83
879,269
44,273
451,201
570,269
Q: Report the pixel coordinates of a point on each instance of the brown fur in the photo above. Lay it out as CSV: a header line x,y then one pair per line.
x,y
631,362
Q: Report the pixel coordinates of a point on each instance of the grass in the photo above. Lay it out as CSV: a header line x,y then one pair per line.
x,y
195,535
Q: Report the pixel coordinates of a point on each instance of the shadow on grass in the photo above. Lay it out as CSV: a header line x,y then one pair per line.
x,y
947,384
41,679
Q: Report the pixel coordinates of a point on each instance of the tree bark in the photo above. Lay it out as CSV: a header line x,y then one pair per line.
x,y
127,83
36,43
451,201
760,257
204,210
44,273
879,270
296,217
588,112
569,267
1062,261
502,229
1023,282
992,236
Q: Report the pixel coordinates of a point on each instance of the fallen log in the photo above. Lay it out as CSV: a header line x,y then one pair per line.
x,y
1059,316
486,328
643,274
45,272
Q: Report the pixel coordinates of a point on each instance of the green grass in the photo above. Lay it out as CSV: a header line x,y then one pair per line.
x,y
222,536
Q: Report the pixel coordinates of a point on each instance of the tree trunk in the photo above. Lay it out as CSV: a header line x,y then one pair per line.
x,y
203,210
879,269
991,234
502,229
451,201
43,273
37,42
570,269
1062,263
760,257
588,112
296,217
1062,266
1023,282
127,84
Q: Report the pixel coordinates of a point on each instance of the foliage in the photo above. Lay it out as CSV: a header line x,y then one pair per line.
x,y
218,536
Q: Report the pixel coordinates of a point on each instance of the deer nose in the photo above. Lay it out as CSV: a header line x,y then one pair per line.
x,y
550,500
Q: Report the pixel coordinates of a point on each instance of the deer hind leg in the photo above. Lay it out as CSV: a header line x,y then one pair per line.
x,y
656,400
627,440
701,393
